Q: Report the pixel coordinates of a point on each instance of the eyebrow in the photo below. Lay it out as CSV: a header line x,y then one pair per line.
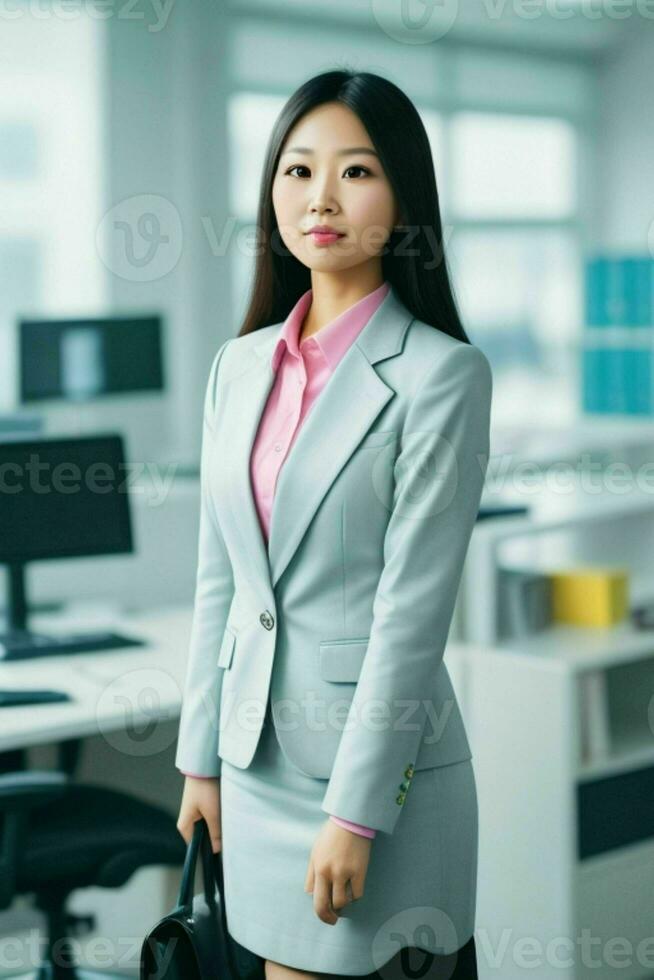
x,y
340,153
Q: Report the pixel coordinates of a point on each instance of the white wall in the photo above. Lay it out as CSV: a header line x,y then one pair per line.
x,y
166,137
626,163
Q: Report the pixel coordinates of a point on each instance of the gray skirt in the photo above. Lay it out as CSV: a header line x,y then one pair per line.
x,y
420,887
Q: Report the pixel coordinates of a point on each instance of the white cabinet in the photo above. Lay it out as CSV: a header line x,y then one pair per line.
x,y
561,727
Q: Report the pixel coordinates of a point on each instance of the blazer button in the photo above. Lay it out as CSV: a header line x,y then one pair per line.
x,y
266,620
404,787
399,799
408,772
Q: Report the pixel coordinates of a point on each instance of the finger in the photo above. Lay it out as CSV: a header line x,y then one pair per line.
x,y
322,900
310,877
340,891
185,826
213,823
357,882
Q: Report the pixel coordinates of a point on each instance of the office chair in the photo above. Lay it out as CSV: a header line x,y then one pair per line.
x,y
57,836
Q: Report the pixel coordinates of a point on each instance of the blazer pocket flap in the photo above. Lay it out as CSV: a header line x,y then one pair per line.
x,y
341,660
226,649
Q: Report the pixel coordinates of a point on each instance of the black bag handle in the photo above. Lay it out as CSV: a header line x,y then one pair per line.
x,y
212,874
201,843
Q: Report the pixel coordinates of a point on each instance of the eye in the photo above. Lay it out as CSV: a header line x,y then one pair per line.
x,y
296,166
357,167
301,166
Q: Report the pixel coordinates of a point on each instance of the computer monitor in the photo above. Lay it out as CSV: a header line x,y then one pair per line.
x,y
59,498
88,358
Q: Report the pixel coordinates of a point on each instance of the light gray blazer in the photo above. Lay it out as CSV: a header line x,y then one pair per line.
x,y
344,618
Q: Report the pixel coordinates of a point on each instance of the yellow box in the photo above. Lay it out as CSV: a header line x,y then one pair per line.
x,y
592,596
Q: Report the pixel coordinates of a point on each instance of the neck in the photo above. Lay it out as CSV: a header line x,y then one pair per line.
x,y
332,295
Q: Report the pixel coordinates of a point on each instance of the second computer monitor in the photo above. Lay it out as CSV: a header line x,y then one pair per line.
x,y
89,358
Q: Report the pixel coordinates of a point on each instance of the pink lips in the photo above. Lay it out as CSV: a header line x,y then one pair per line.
x,y
325,237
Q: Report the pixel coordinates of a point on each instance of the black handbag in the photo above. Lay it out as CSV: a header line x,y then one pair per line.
x,y
192,942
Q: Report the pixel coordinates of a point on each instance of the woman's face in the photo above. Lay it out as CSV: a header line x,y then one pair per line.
x,y
329,174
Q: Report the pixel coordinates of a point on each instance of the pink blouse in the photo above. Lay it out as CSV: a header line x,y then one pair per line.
x,y
302,371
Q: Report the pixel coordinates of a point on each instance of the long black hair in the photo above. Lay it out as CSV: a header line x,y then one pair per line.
x,y
413,259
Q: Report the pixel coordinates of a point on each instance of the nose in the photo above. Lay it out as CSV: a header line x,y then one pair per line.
x,y
318,210
322,200
319,205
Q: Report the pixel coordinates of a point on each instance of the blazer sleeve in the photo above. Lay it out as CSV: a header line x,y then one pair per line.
x,y
197,743
439,476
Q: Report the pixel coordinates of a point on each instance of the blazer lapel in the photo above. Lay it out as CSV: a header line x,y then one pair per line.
x,y
338,420
342,414
245,403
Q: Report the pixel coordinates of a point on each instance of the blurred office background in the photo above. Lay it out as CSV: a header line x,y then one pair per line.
x,y
142,134
131,143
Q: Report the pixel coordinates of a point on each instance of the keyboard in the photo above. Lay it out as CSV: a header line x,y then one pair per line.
x,y
25,645
22,698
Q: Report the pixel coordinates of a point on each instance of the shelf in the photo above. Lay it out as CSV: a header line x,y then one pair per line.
x,y
550,515
621,759
581,648
613,671
616,730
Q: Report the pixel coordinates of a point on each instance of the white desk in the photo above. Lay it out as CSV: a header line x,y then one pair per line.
x,y
134,684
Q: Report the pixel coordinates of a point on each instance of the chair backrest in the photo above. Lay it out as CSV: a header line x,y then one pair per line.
x,y
21,792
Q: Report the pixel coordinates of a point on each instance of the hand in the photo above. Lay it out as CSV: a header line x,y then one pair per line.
x,y
201,798
337,870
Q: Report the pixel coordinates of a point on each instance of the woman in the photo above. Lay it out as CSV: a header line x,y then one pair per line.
x,y
345,444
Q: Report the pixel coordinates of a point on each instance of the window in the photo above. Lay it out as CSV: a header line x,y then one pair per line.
x,y
512,166
50,178
250,119
515,256
520,299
